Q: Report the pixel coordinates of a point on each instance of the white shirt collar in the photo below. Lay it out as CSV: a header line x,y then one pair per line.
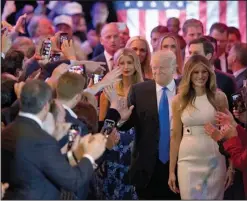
x,y
3,55
71,112
171,86
107,56
33,117
238,72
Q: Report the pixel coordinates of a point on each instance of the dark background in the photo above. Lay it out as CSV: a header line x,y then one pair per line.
x,y
87,5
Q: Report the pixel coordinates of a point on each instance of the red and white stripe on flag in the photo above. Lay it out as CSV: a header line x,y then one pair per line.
x,y
142,16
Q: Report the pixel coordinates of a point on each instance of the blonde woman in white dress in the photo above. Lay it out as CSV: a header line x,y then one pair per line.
x,y
201,167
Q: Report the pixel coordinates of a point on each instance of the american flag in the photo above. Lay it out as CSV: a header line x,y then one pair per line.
x,y
142,16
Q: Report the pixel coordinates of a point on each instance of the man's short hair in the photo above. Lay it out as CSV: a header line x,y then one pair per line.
x,y
34,96
34,23
220,27
191,23
160,29
234,30
24,44
241,52
12,62
207,45
69,85
212,40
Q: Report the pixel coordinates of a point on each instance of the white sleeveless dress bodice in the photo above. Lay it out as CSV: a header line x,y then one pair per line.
x,y
201,167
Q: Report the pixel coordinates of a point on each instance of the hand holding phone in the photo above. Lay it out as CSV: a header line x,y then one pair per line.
x,y
96,78
108,127
63,36
77,69
72,133
239,102
46,49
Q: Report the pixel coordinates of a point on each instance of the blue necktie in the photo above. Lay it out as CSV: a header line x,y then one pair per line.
x,y
164,122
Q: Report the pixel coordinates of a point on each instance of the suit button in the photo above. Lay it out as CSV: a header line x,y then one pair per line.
x,y
188,130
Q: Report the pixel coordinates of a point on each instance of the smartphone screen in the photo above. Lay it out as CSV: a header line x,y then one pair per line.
x,y
72,133
108,127
77,69
63,36
97,78
239,102
55,57
46,48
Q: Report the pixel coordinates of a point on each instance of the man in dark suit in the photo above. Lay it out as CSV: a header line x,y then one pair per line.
x,y
225,82
219,31
33,163
237,61
69,89
149,170
111,42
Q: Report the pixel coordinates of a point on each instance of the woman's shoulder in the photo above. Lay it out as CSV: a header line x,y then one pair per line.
x,y
220,95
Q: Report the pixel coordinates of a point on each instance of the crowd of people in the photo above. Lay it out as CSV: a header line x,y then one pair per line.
x,y
89,112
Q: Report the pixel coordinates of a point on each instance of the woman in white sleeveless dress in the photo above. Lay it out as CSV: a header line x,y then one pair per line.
x,y
201,167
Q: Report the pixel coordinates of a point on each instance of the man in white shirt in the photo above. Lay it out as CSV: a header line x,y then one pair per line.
x,y
219,31
237,60
111,42
149,172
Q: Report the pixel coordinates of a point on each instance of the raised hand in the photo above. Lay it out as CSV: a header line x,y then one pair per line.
x,y
20,24
91,66
68,49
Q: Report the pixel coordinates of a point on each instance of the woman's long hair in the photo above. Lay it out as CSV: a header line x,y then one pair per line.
x,y
186,90
178,51
137,76
146,68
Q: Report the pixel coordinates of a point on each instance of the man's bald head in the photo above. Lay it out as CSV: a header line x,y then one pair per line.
x,y
110,38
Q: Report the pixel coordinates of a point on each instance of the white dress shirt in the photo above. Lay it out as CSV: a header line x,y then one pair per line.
x,y
222,59
171,92
31,116
71,112
238,72
109,60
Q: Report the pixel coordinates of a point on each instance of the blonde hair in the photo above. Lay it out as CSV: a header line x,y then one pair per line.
x,y
186,92
178,50
137,76
145,66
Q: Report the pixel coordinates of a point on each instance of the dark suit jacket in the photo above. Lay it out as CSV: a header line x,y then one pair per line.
x,y
227,84
38,170
240,78
145,120
98,50
101,58
82,127
217,64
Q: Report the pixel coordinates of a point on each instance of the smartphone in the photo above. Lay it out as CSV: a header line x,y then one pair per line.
x,y
55,57
77,69
239,102
63,36
96,78
108,127
46,49
72,133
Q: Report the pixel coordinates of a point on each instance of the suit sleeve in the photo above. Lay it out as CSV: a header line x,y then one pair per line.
x,y
131,121
58,170
238,152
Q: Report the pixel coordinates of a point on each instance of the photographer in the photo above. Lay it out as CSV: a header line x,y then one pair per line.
x,y
234,139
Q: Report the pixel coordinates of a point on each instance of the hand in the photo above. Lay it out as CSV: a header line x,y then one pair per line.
x,y
229,178
112,77
20,24
61,130
213,132
59,71
225,118
8,9
4,186
240,116
227,131
93,145
112,139
18,87
68,49
91,66
6,41
172,183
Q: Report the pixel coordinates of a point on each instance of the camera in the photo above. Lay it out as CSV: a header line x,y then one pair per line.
x,y
72,133
108,127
